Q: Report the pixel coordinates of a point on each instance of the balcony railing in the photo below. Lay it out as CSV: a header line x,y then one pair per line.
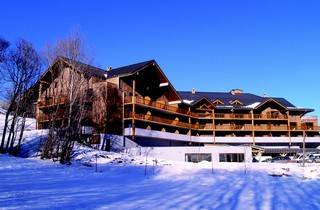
x,y
201,115
51,101
245,127
50,117
224,127
232,116
158,105
60,114
270,117
271,127
157,119
305,128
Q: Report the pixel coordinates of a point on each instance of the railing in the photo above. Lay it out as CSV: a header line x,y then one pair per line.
x,y
157,119
271,127
201,115
224,127
232,116
50,117
207,126
60,114
174,109
157,105
245,127
270,116
50,101
305,128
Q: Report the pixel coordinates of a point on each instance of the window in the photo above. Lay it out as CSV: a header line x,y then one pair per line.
x,y
236,102
231,157
197,157
218,102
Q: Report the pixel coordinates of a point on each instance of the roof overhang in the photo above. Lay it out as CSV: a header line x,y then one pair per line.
x,y
270,100
164,83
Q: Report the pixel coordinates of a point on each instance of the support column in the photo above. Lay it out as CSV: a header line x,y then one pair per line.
x,y
289,129
252,124
213,127
37,105
190,124
123,126
133,108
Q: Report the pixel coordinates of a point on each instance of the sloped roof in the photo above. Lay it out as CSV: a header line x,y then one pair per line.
x,y
95,71
246,98
86,68
227,97
130,69
284,102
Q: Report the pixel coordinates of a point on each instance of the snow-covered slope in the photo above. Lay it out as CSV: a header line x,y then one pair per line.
x,y
109,180
36,184
30,122
32,138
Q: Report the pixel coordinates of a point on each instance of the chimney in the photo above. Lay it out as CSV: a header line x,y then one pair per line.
x,y
236,91
106,72
193,91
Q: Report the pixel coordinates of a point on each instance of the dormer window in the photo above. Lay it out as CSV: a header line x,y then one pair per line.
x,y
217,102
204,106
236,102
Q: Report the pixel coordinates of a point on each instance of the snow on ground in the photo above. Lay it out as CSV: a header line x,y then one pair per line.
x,y
29,126
32,138
38,184
119,182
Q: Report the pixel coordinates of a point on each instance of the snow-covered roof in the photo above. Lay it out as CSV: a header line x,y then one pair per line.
x,y
187,101
254,105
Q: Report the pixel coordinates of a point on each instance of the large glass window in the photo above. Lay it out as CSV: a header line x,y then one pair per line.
x,y
198,157
231,157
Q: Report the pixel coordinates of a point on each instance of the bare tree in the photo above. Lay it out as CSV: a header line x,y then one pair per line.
x,y
19,69
109,115
74,86
3,47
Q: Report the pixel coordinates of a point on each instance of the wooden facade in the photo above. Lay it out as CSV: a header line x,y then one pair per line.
x,y
149,101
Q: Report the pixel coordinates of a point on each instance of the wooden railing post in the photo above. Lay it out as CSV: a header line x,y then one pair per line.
x,y
289,128
213,127
37,104
189,120
252,123
123,125
133,108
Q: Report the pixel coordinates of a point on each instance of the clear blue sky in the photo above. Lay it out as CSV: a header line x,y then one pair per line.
x,y
270,47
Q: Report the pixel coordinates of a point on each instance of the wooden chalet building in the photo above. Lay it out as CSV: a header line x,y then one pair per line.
x,y
151,112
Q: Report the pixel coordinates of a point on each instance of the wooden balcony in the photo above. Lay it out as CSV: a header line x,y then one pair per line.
x,y
50,117
52,101
271,128
159,120
305,128
245,127
269,117
157,105
233,116
218,116
201,115
223,127
208,127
